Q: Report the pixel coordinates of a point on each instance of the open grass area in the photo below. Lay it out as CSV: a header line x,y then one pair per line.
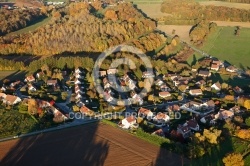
x,y
224,45
216,154
32,27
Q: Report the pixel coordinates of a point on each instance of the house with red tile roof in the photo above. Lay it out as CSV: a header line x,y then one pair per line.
x,y
224,114
30,78
215,67
2,95
128,122
86,111
164,94
145,112
173,108
161,118
216,86
231,69
204,73
11,100
195,92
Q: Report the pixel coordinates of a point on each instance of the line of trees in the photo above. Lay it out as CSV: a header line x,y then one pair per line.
x,y
60,63
191,12
235,1
11,65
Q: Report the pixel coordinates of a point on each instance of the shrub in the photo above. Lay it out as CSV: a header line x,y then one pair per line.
x,y
233,159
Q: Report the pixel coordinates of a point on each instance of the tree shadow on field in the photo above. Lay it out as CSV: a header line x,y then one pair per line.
x,y
17,75
25,58
72,146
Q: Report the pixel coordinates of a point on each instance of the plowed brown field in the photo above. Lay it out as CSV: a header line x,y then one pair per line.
x,y
92,144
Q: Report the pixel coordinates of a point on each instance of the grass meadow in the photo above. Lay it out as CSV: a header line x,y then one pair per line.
x,y
224,45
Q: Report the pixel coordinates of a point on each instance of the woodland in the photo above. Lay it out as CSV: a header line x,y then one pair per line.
x,y
82,27
12,20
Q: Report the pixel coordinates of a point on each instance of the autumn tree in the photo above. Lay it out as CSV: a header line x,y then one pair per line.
x,y
247,104
141,84
244,134
75,108
233,159
241,101
212,135
32,106
64,95
111,14
151,98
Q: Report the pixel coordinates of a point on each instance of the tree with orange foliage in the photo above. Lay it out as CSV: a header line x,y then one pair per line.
x,y
244,134
247,104
111,14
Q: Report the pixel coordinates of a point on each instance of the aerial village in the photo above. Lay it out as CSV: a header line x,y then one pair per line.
x,y
179,105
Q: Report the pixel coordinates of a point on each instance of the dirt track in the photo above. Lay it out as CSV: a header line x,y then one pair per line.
x,y
93,144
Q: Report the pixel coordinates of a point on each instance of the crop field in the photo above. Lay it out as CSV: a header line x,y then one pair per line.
x,y
224,45
91,144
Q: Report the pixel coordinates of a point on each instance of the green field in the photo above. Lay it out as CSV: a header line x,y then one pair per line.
x,y
31,27
224,45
